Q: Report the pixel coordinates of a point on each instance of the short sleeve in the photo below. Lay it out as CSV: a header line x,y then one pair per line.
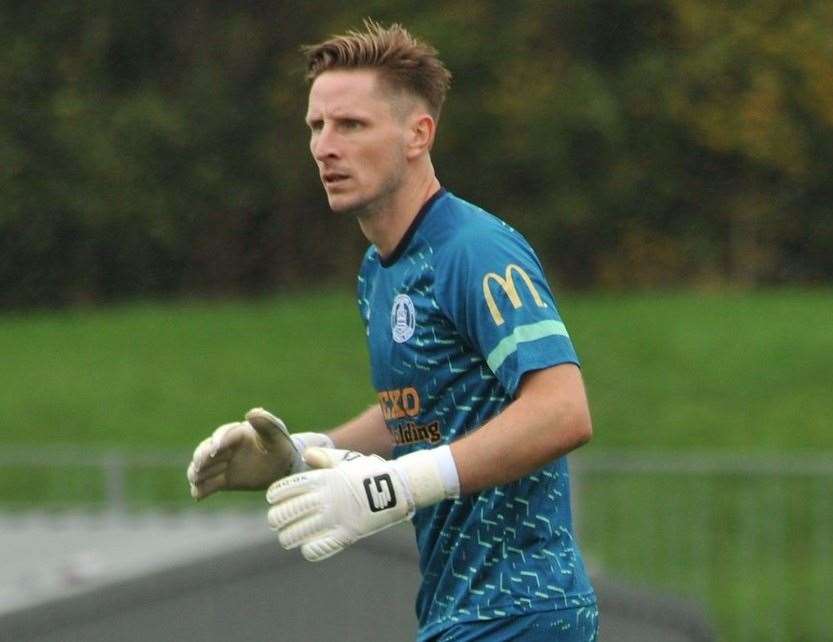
x,y
493,289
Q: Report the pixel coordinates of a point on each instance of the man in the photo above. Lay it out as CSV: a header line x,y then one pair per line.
x,y
480,394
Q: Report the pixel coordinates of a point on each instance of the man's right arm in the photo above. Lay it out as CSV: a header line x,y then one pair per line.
x,y
366,433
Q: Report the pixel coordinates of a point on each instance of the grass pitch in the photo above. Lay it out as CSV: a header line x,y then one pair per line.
x,y
733,371
741,372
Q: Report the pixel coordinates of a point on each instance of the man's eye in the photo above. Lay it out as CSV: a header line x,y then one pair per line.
x,y
352,124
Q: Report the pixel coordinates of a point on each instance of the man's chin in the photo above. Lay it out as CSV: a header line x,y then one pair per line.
x,y
345,205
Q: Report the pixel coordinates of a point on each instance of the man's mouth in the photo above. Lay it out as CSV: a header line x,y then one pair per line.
x,y
334,178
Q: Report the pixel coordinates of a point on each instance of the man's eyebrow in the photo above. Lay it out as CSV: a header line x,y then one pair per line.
x,y
339,117
348,115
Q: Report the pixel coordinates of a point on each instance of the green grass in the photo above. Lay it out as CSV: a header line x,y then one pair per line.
x,y
165,375
744,545
733,371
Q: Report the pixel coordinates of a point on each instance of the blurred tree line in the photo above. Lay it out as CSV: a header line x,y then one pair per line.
x,y
158,148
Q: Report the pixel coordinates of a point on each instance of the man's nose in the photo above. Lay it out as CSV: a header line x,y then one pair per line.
x,y
323,144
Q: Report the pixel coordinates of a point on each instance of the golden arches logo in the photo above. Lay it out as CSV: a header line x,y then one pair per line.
x,y
507,284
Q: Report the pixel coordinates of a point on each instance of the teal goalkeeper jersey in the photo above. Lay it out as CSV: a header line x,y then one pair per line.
x,y
454,318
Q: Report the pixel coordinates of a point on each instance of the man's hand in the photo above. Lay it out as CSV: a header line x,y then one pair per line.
x,y
352,496
248,455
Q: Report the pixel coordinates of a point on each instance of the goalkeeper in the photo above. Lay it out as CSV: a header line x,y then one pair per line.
x,y
479,392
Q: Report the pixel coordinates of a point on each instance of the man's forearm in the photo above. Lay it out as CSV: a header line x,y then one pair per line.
x,y
549,418
366,433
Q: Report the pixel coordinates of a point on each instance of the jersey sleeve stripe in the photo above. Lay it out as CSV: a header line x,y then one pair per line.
x,y
532,332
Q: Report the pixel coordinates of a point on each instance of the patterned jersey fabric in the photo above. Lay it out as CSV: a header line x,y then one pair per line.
x,y
454,318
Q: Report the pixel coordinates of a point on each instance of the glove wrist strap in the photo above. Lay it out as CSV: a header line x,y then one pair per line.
x,y
304,440
430,475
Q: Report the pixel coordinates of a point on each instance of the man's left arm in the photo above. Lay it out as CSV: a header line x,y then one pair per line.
x,y
351,496
548,418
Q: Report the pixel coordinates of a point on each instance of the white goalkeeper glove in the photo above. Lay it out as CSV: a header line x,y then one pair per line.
x,y
354,495
249,455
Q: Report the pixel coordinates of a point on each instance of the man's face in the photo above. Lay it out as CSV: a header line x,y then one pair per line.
x,y
357,139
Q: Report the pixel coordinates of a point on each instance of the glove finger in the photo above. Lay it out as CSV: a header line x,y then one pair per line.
x,y
197,475
273,438
291,486
268,427
206,487
191,473
322,547
201,453
207,452
301,531
293,509
224,437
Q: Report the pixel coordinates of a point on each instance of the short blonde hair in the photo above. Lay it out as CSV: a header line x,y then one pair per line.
x,y
405,64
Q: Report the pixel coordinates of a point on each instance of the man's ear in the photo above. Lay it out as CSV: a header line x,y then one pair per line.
x,y
421,131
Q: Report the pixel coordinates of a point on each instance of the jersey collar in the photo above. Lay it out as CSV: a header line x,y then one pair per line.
x,y
412,228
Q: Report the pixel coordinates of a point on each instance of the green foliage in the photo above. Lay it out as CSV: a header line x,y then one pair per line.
x,y
159,148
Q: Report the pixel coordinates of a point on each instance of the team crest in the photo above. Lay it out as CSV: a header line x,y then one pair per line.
x,y
402,318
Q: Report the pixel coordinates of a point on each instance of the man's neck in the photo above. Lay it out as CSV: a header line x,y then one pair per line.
x,y
386,226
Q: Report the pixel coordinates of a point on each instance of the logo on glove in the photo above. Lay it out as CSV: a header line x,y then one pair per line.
x,y
380,493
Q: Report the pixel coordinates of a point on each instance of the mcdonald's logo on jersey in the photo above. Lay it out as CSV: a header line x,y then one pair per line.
x,y
507,284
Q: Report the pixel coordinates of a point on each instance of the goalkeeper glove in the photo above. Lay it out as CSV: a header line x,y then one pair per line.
x,y
249,455
352,496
